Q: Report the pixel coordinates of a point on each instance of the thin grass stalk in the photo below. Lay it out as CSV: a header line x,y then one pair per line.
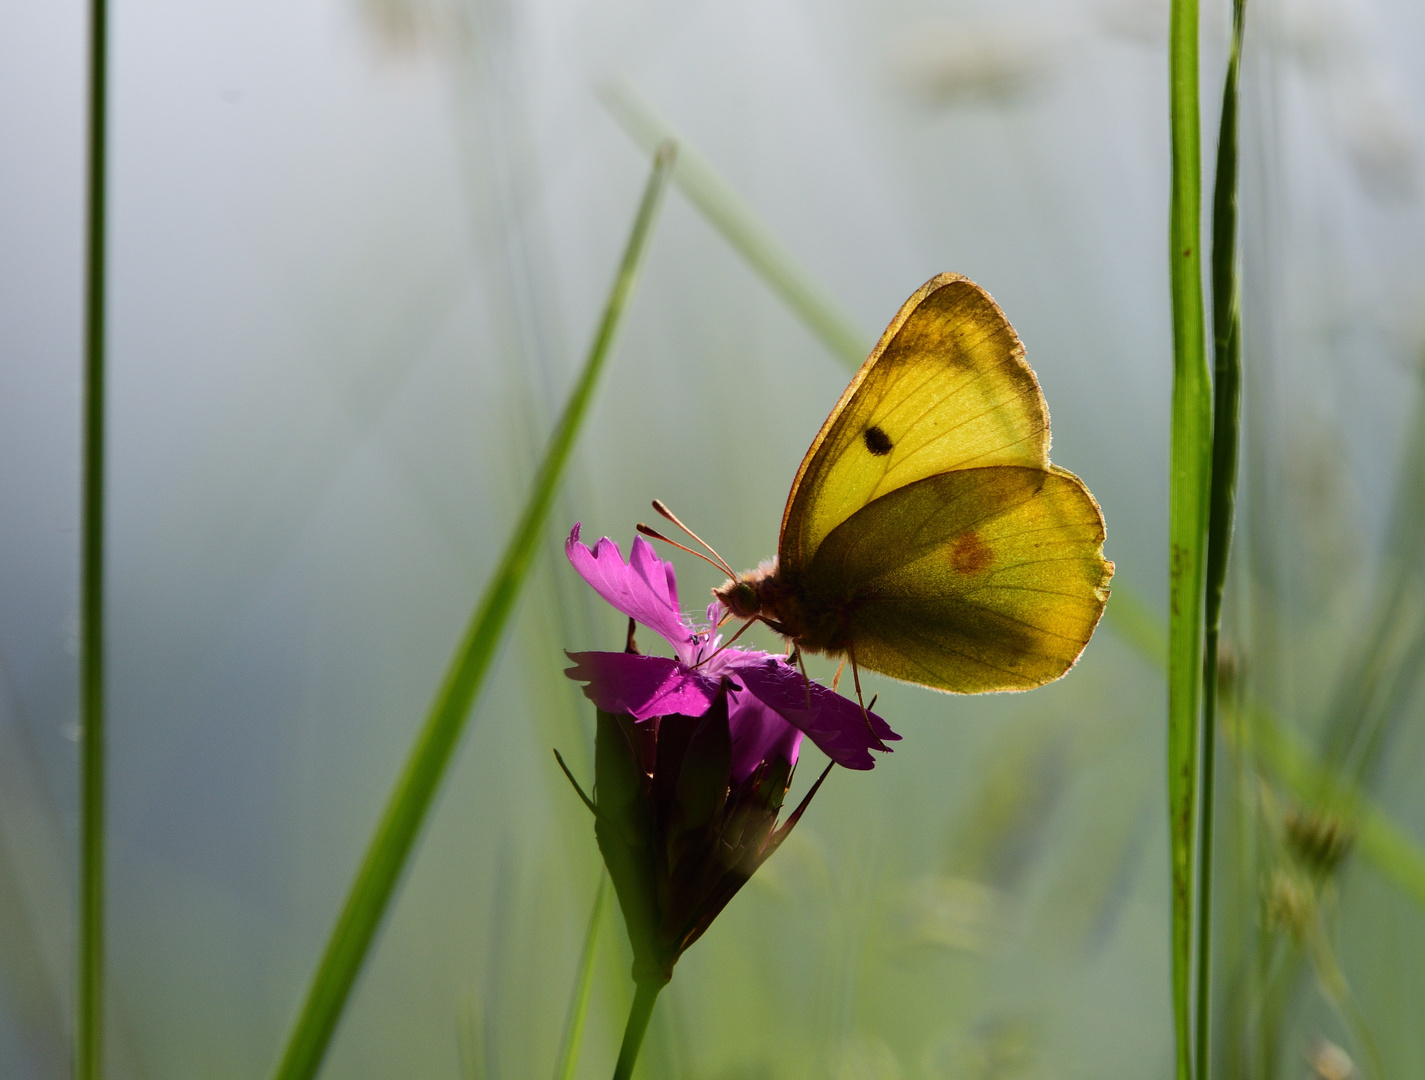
x,y
1388,656
1332,982
727,212
644,997
1187,503
1226,416
89,1028
410,800
583,984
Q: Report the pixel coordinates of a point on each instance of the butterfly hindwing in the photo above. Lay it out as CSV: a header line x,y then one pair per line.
x,y
946,388
972,580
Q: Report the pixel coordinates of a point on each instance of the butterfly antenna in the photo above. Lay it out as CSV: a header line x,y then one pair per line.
x,y
663,511
656,535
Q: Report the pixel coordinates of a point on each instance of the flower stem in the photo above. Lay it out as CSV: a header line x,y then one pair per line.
x,y
90,1020
411,798
643,999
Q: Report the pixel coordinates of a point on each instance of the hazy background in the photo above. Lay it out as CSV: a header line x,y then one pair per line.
x,y
358,249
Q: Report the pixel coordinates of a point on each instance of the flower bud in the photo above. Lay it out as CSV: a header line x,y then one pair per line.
x,y
678,835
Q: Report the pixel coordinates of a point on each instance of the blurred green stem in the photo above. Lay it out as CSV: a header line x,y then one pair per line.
x,y
583,983
730,215
405,812
1379,838
89,1056
643,998
1333,984
1226,415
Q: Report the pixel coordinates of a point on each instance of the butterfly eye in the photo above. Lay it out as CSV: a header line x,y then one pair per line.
x,y
877,441
739,597
747,598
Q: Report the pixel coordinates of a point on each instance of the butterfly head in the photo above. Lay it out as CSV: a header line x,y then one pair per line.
x,y
740,597
749,595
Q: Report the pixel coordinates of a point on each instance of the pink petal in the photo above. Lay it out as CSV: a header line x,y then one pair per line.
x,y
641,686
644,588
758,734
836,724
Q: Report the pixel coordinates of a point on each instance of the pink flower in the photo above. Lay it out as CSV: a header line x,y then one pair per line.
x,y
770,704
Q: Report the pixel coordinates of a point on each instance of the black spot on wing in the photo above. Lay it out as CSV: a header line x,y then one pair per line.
x,y
877,441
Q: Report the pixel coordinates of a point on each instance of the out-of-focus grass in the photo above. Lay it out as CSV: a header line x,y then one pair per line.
x,y
1328,787
583,985
411,798
732,217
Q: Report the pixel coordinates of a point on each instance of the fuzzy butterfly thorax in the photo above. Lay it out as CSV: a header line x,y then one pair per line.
x,y
785,605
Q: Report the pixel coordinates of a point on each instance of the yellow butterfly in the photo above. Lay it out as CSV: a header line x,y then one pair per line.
x,y
927,535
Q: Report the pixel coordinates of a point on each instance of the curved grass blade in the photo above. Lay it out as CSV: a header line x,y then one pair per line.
x,y
400,823
583,984
726,211
89,1055
1188,487
1226,415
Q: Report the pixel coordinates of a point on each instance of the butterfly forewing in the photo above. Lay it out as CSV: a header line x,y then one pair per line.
x,y
947,388
972,580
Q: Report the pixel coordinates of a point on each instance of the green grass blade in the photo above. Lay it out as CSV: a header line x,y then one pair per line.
x,y
391,844
1226,415
1187,502
1133,620
583,984
726,211
89,1027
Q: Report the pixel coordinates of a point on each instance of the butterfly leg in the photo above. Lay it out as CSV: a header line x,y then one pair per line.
x,y
865,713
836,679
806,679
856,677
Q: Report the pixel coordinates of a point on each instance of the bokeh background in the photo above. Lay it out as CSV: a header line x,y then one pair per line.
x,y
358,250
